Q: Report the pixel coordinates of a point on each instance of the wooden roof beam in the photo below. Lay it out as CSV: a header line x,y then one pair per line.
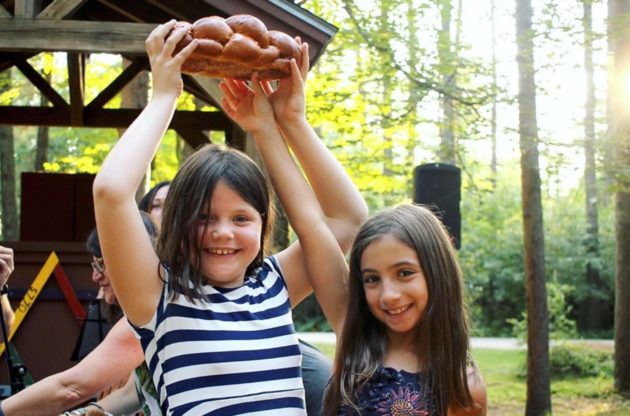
x,y
60,9
172,9
4,13
192,86
40,83
121,11
118,84
74,36
27,9
210,86
195,138
109,118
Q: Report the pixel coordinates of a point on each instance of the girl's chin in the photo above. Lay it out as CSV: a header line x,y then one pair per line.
x,y
224,281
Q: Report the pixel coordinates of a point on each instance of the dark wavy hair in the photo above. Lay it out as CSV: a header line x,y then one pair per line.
x,y
188,198
146,202
443,336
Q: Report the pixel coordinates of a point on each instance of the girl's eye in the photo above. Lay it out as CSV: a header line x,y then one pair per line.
x,y
406,272
241,219
370,278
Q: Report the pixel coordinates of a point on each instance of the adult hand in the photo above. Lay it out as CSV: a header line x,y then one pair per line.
x,y
6,264
166,67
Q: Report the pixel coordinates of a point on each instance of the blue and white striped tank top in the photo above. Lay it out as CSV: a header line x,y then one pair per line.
x,y
234,352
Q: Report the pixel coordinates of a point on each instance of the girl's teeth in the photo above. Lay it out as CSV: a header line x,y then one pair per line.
x,y
221,251
398,310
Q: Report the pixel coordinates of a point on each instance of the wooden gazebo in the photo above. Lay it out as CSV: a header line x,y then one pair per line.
x,y
79,28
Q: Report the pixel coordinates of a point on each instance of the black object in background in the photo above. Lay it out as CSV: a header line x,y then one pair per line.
x,y
438,186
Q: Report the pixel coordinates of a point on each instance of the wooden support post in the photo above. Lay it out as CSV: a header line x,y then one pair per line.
x,y
27,9
76,81
60,9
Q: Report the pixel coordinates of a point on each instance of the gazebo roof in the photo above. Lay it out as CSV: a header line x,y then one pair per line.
x,y
81,27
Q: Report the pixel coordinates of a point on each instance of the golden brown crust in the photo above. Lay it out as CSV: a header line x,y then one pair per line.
x,y
237,47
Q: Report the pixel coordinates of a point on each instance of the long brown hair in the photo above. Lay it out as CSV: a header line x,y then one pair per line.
x,y
189,198
443,337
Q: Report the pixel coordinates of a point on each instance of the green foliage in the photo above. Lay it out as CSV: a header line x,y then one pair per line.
x,y
567,361
492,255
565,244
582,395
560,325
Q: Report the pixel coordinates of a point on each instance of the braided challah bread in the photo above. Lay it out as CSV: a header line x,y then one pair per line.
x,y
237,47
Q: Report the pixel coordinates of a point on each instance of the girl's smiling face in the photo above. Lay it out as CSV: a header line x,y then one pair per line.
x,y
229,237
394,284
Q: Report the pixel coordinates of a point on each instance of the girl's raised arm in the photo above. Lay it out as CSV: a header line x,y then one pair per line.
x,y
340,200
129,255
319,252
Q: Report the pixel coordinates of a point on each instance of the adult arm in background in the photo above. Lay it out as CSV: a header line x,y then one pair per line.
x,y
113,359
123,401
7,265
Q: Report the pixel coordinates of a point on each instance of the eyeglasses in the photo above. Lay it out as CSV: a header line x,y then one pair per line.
x,y
98,265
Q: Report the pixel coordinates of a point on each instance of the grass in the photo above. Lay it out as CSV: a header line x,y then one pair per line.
x,y
587,396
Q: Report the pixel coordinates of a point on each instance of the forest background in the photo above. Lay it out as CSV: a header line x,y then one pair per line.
x,y
409,82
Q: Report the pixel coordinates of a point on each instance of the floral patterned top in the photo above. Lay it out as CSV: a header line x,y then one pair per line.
x,y
394,393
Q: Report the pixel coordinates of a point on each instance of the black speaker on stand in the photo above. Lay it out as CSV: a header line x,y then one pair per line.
x,y
438,185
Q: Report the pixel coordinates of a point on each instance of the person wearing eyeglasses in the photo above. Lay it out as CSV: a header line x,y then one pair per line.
x,y
103,311
99,273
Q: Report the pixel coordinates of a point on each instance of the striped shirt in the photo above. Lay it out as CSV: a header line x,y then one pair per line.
x,y
233,352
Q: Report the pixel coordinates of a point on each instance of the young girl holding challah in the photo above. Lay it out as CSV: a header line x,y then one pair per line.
x,y
212,311
404,347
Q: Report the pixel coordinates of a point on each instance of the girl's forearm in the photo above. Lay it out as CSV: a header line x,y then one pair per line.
x,y
127,162
294,193
338,196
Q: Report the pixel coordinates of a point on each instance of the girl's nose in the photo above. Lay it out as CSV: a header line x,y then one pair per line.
x,y
390,293
221,231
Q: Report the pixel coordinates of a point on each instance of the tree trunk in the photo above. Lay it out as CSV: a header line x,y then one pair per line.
x,y
607,181
591,316
445,53
538,379
10,225
493,115
135,95
414,97
386,99
621,149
